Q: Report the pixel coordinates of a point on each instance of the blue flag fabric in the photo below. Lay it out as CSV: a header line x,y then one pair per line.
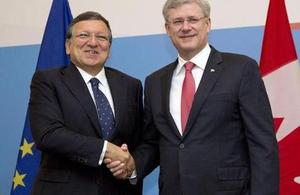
x,y
52,54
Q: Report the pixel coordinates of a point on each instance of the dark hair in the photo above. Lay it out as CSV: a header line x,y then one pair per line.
x,y
89,15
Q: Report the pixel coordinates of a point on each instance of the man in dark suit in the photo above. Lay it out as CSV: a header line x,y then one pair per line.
x,y
67,109
208,120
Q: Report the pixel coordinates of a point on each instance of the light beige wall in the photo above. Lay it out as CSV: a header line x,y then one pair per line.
x,y
23,22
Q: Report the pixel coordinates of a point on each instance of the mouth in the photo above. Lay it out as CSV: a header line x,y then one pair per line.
x,y
92,52
186,36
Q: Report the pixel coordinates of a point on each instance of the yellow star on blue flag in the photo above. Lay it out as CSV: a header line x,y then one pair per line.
x,y
26,148
52,55
18,180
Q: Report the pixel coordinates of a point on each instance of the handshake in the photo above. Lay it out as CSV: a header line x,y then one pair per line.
x,y
119,161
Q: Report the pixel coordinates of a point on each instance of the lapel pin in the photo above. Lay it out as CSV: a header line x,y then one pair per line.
x,y
212,70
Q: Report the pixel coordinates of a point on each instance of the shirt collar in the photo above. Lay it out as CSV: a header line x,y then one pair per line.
x,y
200,60
100,76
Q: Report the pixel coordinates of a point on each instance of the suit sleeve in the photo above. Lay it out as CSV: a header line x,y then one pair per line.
x,y
258,120
49,129
146,154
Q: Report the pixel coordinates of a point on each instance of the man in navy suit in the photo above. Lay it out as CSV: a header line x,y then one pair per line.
x,y
66,118
208,122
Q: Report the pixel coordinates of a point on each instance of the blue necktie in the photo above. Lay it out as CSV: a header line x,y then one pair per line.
x,y
104,111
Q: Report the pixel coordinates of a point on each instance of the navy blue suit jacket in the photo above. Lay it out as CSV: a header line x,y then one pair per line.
x,y
65,128
228,147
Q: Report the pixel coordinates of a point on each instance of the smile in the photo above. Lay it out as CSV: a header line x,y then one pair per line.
x,y
186,36
92,52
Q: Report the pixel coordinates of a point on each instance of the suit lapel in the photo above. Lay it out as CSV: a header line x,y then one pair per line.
x,y
166,80
74,81
211,73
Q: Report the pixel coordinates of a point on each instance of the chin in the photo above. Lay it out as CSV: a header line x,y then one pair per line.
x,y
188,49
188,45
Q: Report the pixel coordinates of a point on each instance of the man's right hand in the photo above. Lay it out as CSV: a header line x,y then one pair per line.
x,y
121,166
116,153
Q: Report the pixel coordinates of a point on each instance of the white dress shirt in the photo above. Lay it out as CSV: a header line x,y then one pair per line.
x,y
104,87
200,61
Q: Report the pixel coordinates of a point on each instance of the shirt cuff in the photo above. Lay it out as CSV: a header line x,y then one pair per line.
x,y
103,152
133,178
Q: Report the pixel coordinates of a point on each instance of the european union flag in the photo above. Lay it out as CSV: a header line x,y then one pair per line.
x,y
52,54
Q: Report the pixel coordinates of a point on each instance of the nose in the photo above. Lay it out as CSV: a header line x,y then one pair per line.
x,y
186,25
92,41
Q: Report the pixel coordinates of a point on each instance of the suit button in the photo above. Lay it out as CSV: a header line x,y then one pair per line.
x,y
181,146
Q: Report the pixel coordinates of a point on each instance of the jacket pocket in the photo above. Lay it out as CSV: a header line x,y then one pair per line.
x,y
233,173
54,175
233,180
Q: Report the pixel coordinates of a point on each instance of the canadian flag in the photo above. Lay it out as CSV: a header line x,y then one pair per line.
x,y
280,69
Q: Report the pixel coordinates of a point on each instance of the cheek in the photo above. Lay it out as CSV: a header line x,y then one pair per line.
x,y
105,47
174,37
79,46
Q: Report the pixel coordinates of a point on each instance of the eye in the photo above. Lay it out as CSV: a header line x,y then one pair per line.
x,y
193,20
178,22
101,38
83,35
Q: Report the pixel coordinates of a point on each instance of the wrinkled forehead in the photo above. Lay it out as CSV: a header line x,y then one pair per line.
x,y
90,26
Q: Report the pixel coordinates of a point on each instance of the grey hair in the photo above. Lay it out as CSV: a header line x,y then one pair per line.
x,y
171,4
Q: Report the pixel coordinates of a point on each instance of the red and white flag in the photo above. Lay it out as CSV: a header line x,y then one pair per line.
x,y
280,69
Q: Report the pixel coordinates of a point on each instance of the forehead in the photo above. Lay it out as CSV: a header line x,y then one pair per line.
x,y
90,26
186,10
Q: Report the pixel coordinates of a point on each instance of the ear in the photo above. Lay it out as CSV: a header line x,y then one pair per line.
x,y
67,46
208,23
167,27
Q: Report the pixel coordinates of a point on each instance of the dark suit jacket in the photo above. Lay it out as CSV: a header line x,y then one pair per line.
x,y
65,128
229,146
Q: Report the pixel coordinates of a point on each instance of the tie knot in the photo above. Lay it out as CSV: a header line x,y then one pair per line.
x,y
95,82
189,66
